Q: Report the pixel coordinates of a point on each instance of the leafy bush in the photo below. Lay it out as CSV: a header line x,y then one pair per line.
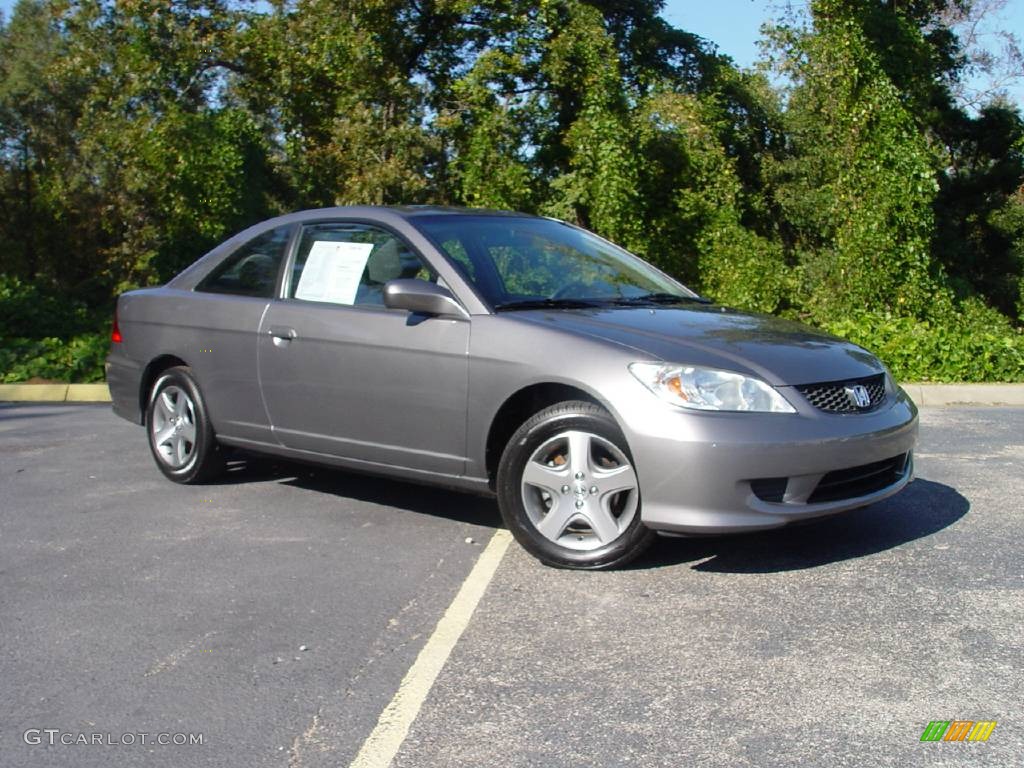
x,y
77,359
975,343
44,335
748,271
27,310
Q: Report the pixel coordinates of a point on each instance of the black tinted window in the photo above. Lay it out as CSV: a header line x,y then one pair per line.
x,y
252,269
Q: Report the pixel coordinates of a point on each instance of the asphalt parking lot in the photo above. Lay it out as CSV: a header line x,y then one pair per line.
x,y
130,605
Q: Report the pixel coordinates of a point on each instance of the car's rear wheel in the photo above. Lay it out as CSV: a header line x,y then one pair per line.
x,y
568,490
180,435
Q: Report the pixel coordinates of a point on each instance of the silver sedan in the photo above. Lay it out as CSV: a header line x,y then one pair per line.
x,y
597,398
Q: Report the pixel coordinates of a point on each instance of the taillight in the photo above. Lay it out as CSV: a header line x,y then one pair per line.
x,y
115,332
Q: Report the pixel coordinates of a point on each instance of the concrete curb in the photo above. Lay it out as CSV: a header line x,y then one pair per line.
x,y
966,394
55,393
922,394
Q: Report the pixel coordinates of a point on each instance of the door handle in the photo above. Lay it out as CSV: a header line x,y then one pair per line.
x,y
281,334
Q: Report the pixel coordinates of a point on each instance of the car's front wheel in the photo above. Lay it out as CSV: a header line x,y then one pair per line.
x,y
180,435
568,490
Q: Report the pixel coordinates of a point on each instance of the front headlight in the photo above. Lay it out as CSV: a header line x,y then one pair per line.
x,y
708,389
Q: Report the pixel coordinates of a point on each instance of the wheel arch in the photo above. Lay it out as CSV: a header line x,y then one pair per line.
x,y
520,406
156,366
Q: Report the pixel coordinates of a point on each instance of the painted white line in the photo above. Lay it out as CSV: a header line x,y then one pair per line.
x,y
394,722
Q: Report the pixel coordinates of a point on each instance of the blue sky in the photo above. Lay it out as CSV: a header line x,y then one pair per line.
x,y
733,25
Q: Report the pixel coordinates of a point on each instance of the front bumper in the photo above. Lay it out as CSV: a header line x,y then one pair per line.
x,y
696,469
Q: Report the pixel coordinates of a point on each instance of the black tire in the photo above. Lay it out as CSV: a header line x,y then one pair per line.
x,y
188,452
515,494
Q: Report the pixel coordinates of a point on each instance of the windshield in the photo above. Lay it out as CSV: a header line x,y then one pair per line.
x,y
525,262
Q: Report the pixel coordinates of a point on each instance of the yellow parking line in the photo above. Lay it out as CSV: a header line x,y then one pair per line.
x,y
394,722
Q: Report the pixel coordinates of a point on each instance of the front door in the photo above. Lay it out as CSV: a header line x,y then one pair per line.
x,y
344,376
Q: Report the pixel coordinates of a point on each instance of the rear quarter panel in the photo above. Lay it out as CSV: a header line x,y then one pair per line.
x,y
215,335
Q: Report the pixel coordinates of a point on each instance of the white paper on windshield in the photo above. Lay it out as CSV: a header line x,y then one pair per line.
x,y
333,271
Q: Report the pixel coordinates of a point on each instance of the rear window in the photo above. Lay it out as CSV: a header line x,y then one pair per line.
x,y
252,269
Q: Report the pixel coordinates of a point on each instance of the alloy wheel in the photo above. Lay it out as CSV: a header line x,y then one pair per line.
x,y
173,427
579,490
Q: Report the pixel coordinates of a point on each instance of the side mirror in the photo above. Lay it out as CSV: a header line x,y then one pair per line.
x,y
421,297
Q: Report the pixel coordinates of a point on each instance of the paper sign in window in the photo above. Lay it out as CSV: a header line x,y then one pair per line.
x,y
332,271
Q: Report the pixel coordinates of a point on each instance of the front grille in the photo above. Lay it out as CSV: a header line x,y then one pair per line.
x,y
851,483
837,396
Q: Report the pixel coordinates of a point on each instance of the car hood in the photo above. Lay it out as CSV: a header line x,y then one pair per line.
x,y
779,351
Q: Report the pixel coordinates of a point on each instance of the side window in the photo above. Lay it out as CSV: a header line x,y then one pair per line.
x,y
350,263
252,269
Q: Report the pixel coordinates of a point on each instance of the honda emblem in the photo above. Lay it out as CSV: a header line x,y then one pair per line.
x,y
858,395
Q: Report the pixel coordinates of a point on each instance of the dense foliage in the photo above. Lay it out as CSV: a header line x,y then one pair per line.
x,y
859,196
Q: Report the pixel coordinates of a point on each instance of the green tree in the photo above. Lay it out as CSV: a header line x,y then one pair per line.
x,y
555,114
37,144
857,184
597,186
340,90
174,168
697,206
979,221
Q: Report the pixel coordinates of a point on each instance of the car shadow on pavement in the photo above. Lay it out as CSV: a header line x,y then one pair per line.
x,y
407,496
923,508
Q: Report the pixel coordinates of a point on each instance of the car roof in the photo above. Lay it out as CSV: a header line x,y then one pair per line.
x,y
413,211
382,214
453,210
